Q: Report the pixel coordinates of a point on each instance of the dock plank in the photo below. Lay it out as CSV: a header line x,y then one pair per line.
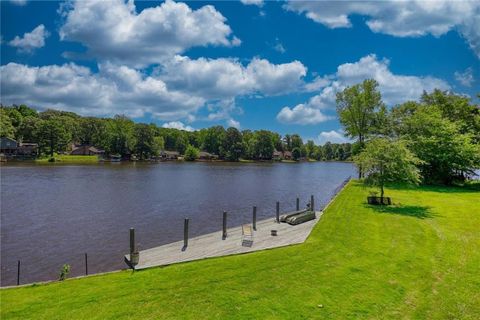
x,y
212,245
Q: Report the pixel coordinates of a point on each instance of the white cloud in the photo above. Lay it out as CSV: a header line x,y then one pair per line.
x,y
394,88
114,31
114,90
302,114
177,125
253,2
221,79
19,2
31,40
233,123
465,78
332,136
175,91
400,18
279,46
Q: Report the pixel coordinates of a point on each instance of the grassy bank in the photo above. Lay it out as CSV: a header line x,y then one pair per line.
x,y
70,159
419,259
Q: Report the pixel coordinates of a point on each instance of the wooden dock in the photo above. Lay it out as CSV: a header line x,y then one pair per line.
x,y
212,245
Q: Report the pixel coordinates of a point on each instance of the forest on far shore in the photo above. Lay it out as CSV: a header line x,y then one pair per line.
x,y
55,131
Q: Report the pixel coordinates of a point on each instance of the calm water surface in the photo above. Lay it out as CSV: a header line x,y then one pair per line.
x,y
53,214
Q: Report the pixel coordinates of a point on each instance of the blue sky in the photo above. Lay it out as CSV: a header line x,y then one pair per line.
x,y
251,64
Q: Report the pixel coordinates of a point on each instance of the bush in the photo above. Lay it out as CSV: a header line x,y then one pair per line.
x,y
191,153
64,272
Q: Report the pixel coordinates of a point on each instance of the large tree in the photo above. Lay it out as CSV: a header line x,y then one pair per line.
x,y
446,152
232,144
53,135
121,132
361,111
384,160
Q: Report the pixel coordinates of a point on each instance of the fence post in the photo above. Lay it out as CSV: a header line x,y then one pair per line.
x,y
312,203
18,273
185,233
255,218
278,212
132,240
298,204
86,264
224,232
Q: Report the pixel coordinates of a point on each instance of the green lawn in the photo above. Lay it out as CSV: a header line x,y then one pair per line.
x,y
419,259
70,159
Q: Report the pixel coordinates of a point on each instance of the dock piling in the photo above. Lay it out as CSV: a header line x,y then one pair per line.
x,y
254,218
132,240
18,273
86,264
185,234
278,212
224,232
298,204
312,203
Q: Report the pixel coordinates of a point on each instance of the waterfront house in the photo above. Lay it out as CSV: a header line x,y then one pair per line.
x,y
203,155
287,155
277,155
8,146
169,155
27,149
281,155
86,150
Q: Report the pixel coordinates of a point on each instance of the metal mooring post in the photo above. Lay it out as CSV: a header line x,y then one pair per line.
x,y
254,218
298,204
224,232
278,212
185,233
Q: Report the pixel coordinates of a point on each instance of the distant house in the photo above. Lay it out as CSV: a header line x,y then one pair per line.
x,y
169,155
27,149
281,155
287,155
8,146
203,155
86,150
277,155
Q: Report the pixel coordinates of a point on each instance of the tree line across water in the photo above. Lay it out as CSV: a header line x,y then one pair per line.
x,y
433,140
55,131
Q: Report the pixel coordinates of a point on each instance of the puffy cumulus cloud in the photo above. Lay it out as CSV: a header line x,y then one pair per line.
x,y
31,40
465,78
177,125
302,114
233,123
114,31
332,136
113,90
222,78
394,88
252,2
399,18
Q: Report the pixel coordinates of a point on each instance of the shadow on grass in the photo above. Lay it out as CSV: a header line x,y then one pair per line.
x,y
420,212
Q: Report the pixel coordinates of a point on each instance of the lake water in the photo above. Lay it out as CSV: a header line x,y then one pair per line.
x,y
53,214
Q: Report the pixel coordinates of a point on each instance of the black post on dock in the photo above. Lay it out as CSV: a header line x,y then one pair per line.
x,y
278,212
312,203
132,241
86,264
185,234
254,218
18,273
224,232
298,204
